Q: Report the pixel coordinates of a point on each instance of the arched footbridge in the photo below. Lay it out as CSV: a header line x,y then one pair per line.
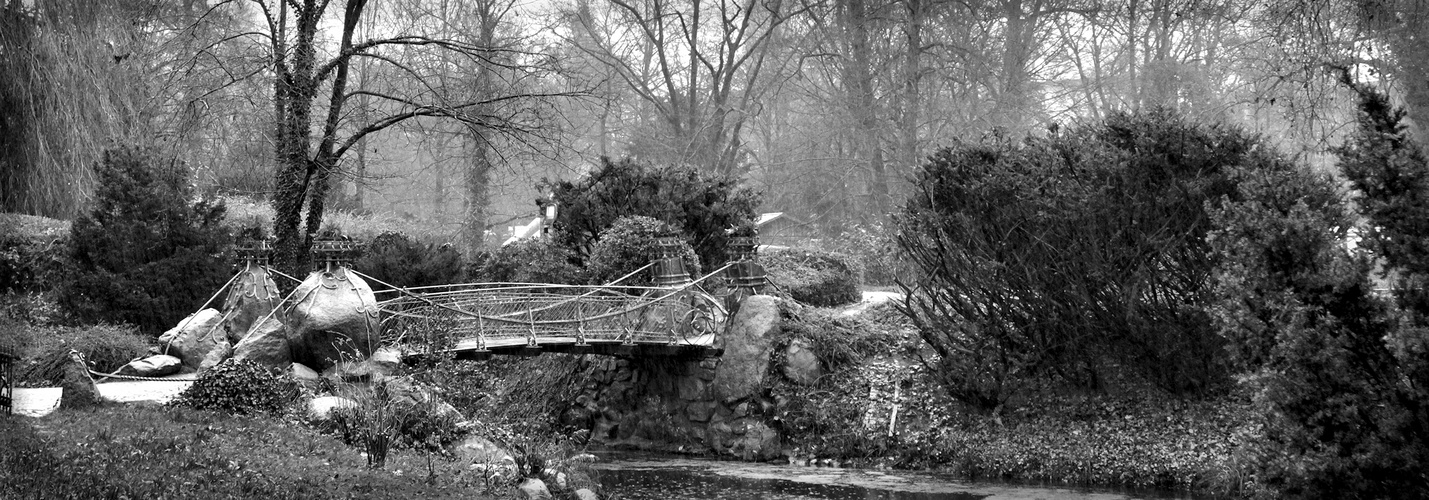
x,y
677,316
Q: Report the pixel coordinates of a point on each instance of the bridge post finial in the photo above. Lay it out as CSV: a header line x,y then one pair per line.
x,y
334,251
253,252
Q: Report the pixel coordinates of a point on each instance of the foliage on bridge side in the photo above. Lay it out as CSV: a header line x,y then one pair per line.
x,y
532,260
700,205
814,277
629,244
146,253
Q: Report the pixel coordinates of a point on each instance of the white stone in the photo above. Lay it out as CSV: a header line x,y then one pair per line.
x,y
322,408
534,489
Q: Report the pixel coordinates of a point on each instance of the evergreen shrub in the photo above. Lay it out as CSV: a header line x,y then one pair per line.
x,y
698,205
813,277
146,253
1337,369
395,258
630,244
241,387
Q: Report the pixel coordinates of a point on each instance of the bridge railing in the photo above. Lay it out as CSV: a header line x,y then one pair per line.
x,y
479,317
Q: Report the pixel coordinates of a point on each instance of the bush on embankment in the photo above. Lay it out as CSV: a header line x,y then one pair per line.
x,y
1133,435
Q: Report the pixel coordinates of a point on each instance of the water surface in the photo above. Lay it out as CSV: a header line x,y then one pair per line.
x,y
650,477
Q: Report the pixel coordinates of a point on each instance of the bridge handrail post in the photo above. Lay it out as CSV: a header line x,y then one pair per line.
x,y
670,265
747,276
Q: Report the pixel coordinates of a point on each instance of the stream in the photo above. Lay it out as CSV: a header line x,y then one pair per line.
x,y
636,476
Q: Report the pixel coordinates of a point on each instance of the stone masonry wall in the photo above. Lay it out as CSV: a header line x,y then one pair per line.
x,y
713,405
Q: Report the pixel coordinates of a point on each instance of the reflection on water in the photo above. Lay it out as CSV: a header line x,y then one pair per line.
x,y
646,477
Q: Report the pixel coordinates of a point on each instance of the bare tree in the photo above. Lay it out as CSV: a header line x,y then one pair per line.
x,y
308,160
701,67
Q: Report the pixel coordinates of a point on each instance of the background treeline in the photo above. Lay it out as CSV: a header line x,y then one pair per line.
x,y
825,107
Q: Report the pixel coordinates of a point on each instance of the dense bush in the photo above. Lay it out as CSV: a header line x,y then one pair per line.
x,y
105,347
630,244
1057,258
531,261
145,254
874,249
32,252
814,277
698,205
394,258
241,387
1338,370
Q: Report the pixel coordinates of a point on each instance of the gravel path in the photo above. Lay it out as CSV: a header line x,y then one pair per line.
x,y
40,401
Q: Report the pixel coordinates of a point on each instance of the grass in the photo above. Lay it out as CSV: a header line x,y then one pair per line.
x,y
130,451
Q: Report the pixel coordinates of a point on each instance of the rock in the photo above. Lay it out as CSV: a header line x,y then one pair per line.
x,y
534,489
691,388
561,480
386,358
361,371
801,365
334,320
479,450
217,355
252,297
194,337
301,373
757,442
153,366
586,494
700,412
746,349
266,344
322,408
77,389
476,449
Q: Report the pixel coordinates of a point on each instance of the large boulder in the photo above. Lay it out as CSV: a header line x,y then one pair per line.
x,y
215,356
157,365
801,365
747,345
77,389
266,344
252,297
335,319
194,336
321,409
